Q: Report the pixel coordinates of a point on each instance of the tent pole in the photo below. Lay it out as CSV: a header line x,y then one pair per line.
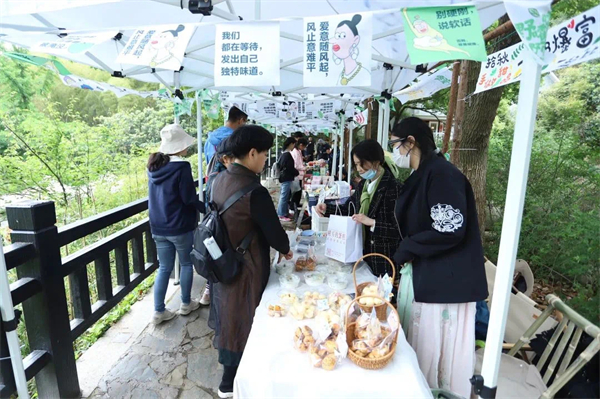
x,y
513,214
381,106
176,78
335,151
341,166
200,147
350,133
276,144
386,123
8,314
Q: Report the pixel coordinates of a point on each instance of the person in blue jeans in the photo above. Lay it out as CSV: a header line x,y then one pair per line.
x,y
287,173
173,207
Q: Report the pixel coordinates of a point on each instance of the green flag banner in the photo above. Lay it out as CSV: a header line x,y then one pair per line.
x,y
443,33
185,107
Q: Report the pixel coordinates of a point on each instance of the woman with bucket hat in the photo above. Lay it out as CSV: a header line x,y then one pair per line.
x,y
173,208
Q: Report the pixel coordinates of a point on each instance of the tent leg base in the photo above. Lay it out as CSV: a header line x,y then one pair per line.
x,y
482,390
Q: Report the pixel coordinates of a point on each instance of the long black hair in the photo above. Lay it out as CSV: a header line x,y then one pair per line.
x,y
352,24
369,151
157,160
422,133
301,141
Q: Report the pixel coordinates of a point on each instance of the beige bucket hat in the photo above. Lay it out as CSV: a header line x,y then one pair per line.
x,y
174,139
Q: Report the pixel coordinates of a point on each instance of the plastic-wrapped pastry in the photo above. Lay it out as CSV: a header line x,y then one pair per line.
x,y
316,360
276,311
329,362
288,298
331,346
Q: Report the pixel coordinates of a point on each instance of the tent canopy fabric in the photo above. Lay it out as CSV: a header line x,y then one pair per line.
x,y
30,25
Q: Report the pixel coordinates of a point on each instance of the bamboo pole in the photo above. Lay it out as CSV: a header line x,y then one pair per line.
x,y
451,105
460,110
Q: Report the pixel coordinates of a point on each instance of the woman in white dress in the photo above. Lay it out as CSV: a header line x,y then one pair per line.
x,y
437,217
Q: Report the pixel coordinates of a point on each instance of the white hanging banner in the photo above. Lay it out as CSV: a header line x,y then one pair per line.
x,y
92,85
337,50
247,54
572,42
267,108
73,43
532,21
427,85
161,47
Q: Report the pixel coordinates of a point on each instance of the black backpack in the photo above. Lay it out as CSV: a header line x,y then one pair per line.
x,y
227,267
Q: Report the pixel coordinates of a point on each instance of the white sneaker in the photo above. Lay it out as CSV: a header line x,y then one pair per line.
x,y
159,317
225,394
185,310
205,300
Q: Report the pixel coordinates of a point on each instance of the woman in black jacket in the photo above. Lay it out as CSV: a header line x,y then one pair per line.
x,y
287,174
437,216
373,201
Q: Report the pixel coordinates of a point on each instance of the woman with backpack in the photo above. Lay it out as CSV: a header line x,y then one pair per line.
x,y
287,174
233,305
173,207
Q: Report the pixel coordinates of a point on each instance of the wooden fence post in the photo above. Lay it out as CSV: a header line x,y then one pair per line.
x,y
46,314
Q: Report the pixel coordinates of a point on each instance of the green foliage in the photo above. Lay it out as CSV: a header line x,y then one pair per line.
x,y
559,234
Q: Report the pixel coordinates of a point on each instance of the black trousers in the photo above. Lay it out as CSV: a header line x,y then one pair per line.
x,y
228,377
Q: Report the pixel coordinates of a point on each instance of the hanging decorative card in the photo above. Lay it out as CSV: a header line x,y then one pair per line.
x,y
361,116
226,96
247,54
184,107
267,108
443,33
337,50
73,43
161,47
531,20
568,43
426,85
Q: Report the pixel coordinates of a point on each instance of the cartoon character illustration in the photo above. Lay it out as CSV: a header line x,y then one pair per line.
x,y
345,49
429,39
162,45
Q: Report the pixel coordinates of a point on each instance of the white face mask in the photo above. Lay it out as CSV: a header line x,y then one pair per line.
x,y
402,161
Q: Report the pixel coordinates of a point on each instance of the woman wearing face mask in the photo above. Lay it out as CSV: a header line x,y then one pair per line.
x,y
437,216
374,200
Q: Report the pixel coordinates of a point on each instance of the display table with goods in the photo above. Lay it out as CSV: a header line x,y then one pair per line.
x,y
312,338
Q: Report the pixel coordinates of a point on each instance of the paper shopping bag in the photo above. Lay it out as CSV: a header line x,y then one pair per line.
x,y
344,239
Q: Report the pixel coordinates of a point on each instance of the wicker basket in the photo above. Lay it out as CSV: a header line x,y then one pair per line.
x,y
380,310
369,364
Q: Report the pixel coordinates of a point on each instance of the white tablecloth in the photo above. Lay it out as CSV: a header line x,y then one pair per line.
x,y
272,368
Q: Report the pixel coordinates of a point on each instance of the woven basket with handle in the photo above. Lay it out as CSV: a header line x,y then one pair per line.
x,y
363,362
380,310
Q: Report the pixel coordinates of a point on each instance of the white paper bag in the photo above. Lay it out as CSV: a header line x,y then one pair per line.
x,y
343,189
344,239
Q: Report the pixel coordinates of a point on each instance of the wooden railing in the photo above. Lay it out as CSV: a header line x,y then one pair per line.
x,y
40,288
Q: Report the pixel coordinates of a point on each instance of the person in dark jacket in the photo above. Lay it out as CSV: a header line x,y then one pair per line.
x,y
309,151
437,216
373,205
233,305
287,174
322,148
173,207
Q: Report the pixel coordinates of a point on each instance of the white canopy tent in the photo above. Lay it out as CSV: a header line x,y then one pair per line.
x,y
29,20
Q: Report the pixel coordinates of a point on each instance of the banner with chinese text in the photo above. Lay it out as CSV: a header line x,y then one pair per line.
x,y
443,33
426,86
161,47
531,20
73,43
247,54
337,50
572,42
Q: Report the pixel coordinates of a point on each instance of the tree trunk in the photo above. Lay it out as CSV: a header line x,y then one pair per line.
x,y
480,112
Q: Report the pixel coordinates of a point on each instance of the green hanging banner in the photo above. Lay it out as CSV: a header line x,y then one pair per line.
x,y
443,33
184,108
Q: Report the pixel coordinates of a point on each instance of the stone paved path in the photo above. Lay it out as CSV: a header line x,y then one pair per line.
x,y
174,360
